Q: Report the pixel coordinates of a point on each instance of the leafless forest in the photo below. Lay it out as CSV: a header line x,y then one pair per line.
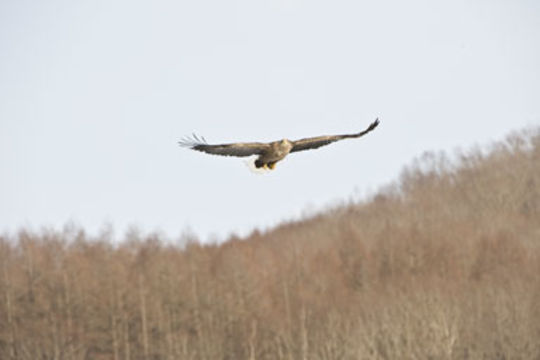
x,y
442,264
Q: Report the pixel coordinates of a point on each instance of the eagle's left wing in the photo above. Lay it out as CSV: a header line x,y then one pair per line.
x,y
316,142
233,149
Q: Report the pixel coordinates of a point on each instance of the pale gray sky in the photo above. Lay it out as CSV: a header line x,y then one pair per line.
x,y
95,94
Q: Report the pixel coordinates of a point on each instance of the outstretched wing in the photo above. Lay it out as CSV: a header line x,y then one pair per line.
x,y
234,149
317,142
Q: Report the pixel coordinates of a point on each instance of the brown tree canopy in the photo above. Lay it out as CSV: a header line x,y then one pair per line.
x,y
442,264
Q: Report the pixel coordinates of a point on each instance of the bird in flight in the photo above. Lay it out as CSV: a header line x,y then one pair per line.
x,y
268,153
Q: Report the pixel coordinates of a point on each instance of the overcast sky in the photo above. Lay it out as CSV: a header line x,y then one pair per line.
x,y
94,96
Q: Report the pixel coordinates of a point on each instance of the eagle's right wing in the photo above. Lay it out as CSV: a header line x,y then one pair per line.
x,y
317,142
234,149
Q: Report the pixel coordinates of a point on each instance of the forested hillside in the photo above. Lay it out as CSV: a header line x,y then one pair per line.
x,y
442,264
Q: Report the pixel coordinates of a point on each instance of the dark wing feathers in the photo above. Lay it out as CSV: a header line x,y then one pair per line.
x,y
234,149
316,142
256,148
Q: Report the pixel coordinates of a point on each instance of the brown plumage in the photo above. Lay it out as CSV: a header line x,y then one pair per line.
x,y
269,153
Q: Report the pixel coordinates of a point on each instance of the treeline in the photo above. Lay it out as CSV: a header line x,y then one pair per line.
x,y
443,264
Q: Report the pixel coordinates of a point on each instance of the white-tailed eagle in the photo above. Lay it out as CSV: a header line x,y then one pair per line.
x,y
268,153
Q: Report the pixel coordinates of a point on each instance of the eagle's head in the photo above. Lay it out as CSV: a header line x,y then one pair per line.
x,y
286,144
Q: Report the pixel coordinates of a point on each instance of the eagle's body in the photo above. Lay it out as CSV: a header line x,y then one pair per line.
x,y
269,153
278,151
